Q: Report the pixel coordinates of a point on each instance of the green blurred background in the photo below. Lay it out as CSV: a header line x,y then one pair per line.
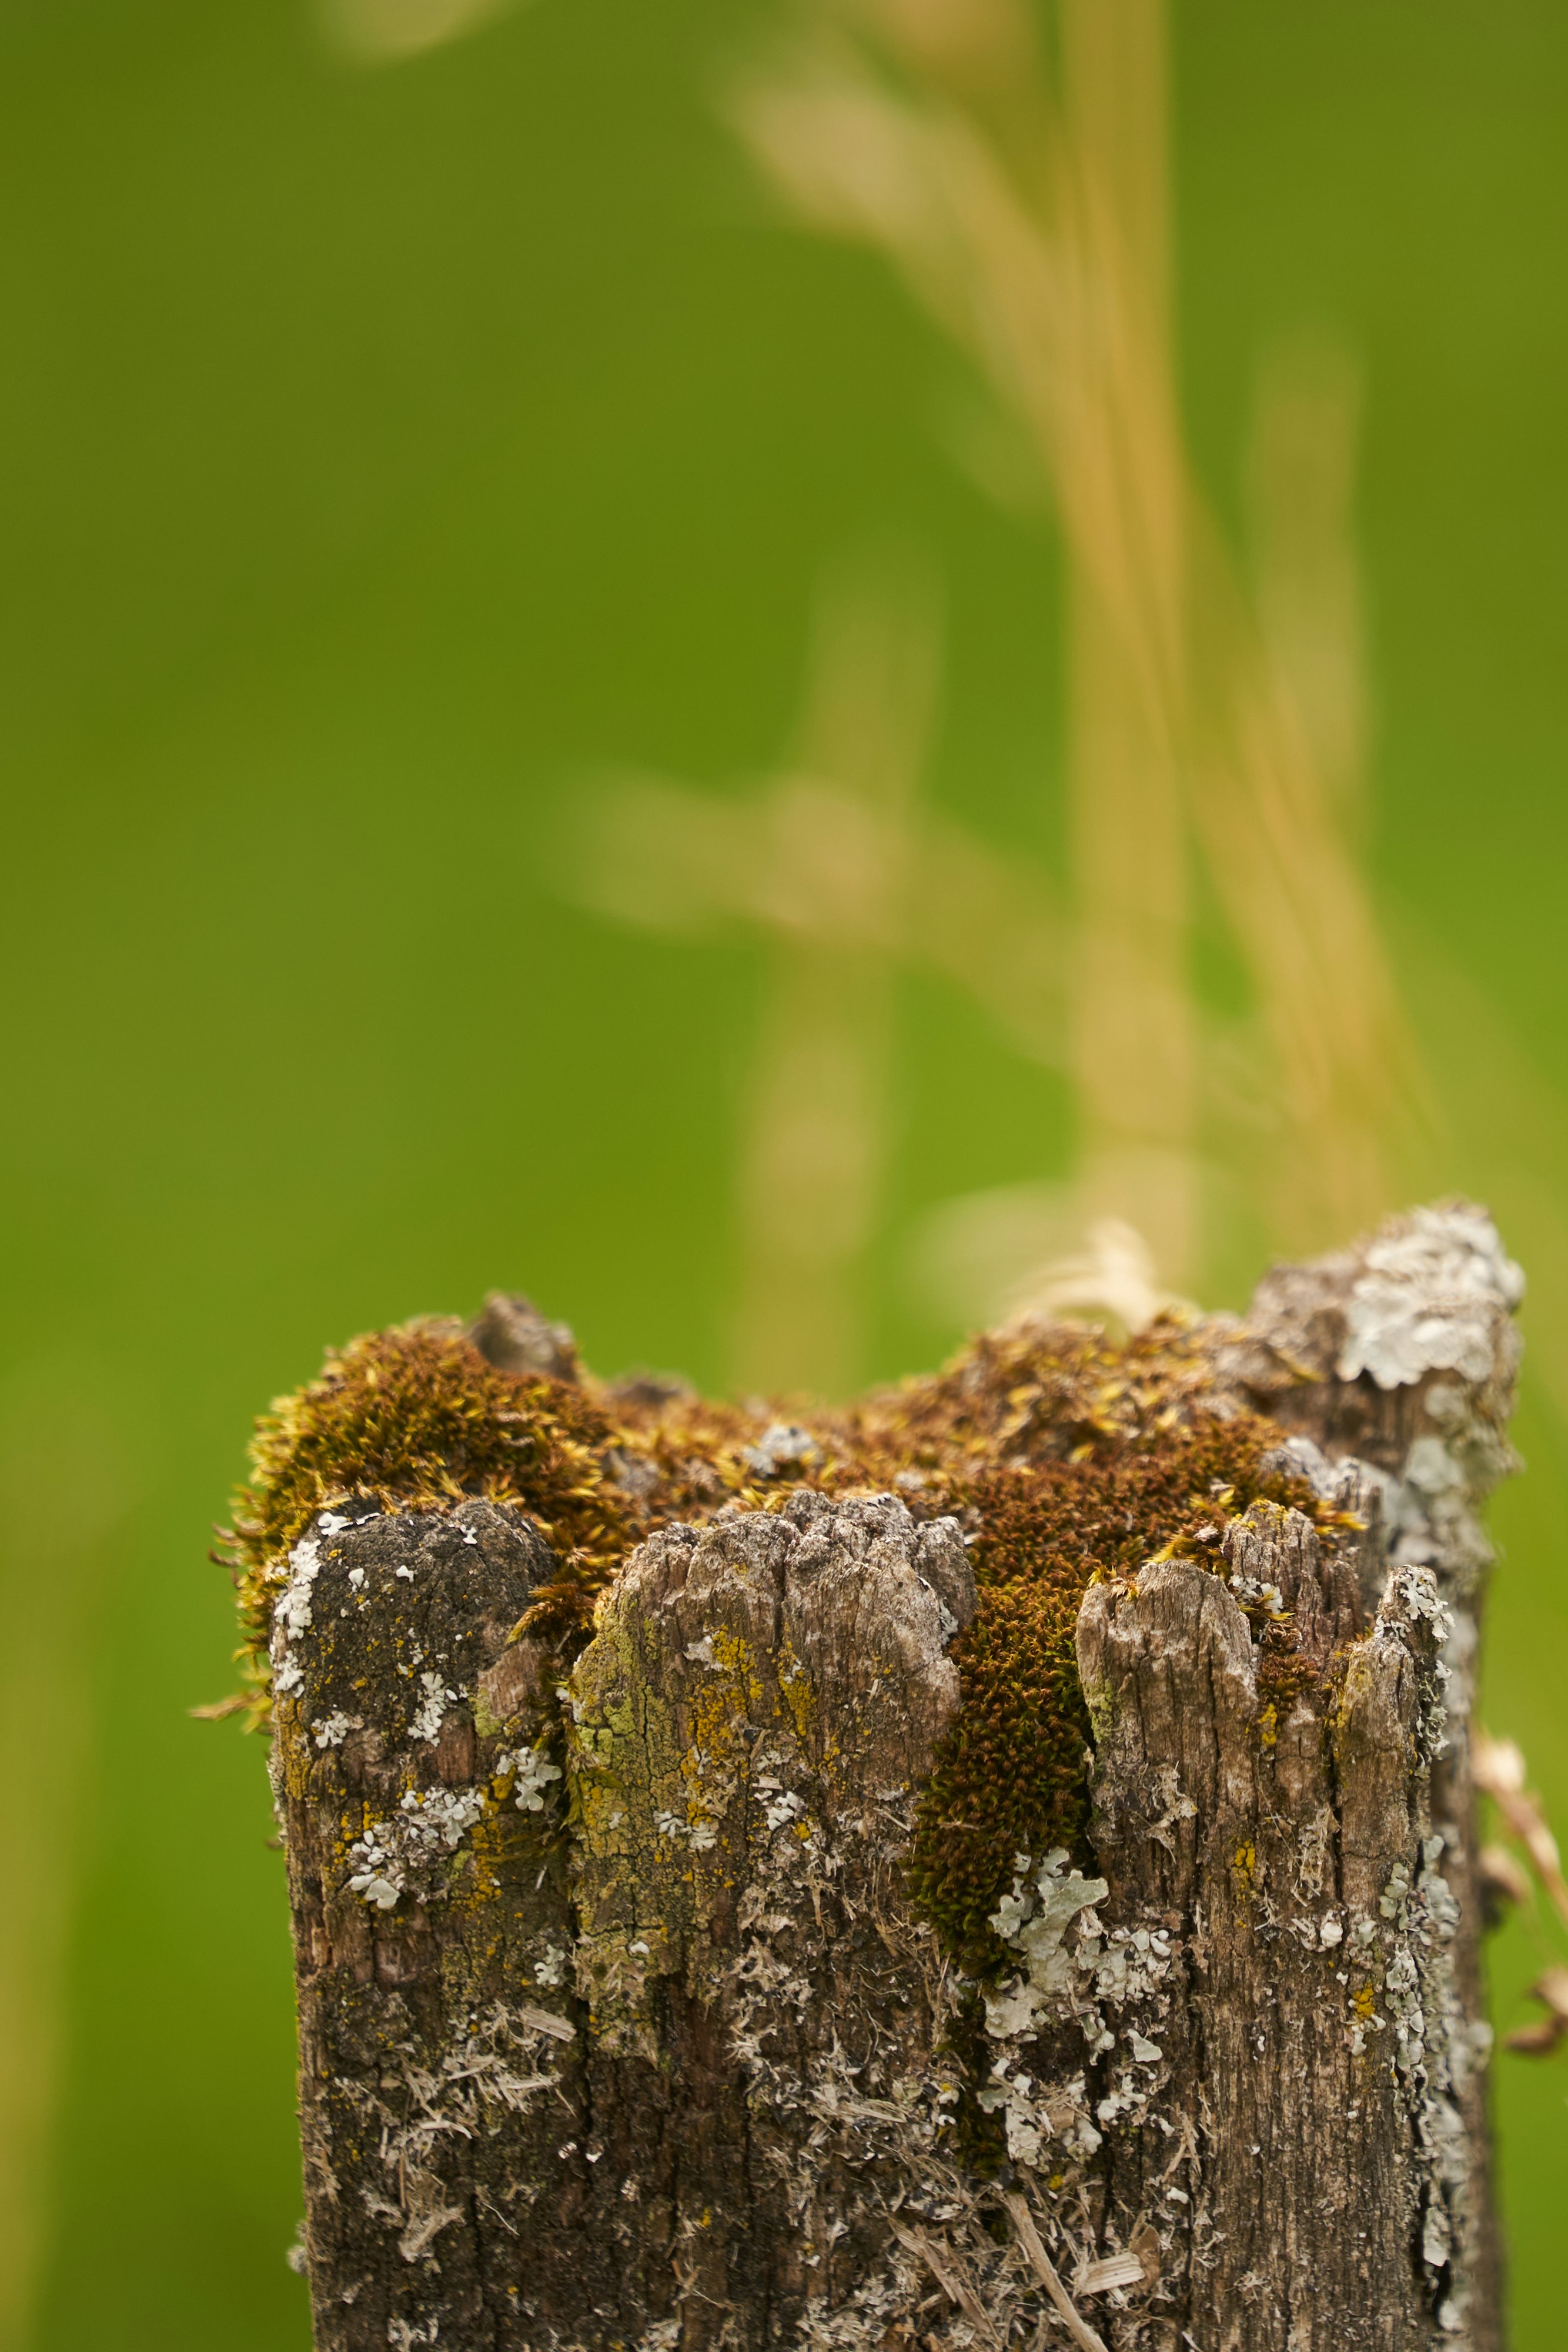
x,y
382,452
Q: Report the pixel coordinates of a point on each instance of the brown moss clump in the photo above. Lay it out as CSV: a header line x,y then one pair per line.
x,y
1285,1672
1034,1392
414,1420
1009,1776
417,1418
1064,1459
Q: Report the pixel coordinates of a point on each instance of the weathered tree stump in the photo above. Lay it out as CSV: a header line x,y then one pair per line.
x,y
994,1866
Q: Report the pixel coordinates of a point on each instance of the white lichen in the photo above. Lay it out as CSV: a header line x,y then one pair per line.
x,y
1077,1972
532,1773
431,1712
1434,2048
1035,1917
398,1857
696,1830
292,1610
1251,1594
1429,1299
781,1442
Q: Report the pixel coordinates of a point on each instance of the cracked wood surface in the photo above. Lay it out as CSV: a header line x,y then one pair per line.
x,y
618,2026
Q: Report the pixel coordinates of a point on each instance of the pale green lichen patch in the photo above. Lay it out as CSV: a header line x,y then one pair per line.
x,y
660,1754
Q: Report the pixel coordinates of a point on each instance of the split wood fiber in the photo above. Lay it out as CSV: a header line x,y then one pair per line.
x,y
992,1866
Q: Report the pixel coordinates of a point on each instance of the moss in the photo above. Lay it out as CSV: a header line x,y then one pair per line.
x,y
416,1419
1284,1675
1010,1776
1064,1459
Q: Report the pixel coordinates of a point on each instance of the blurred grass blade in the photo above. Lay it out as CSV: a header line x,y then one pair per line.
x,y
1026,209
381,32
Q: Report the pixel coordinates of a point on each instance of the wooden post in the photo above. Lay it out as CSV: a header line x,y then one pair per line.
x,y
636,2006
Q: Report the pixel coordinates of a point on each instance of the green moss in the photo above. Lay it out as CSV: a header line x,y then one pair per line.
x,y
1011,1775
416,1419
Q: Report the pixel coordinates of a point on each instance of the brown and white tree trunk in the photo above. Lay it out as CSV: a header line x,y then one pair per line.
x,y
648,2046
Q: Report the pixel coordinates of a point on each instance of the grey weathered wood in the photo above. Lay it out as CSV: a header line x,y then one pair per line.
x,y
681,2066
